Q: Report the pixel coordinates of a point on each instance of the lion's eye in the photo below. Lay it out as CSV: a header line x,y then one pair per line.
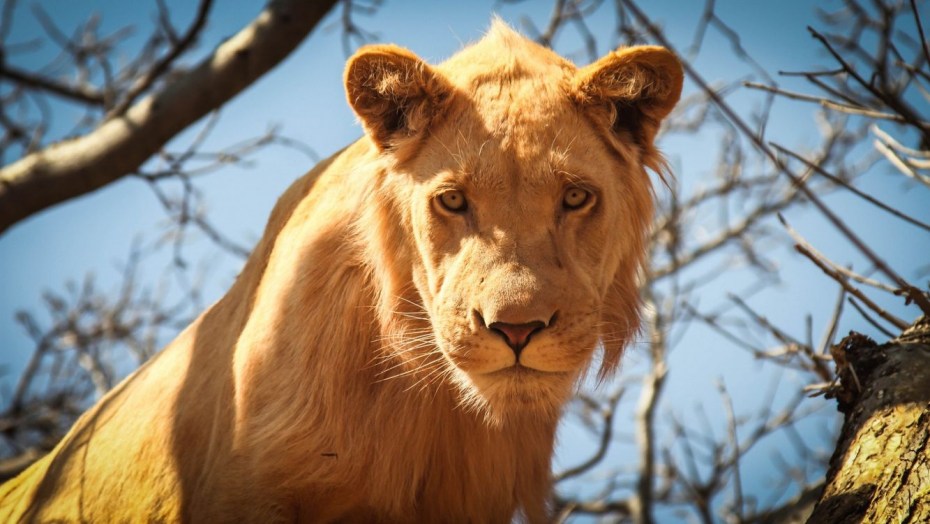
x,y
453,201
575,197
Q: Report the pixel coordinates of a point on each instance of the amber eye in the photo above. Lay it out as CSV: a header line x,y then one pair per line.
x,y
453,201
575,197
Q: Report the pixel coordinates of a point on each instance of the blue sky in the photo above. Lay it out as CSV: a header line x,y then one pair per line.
x,y
304,97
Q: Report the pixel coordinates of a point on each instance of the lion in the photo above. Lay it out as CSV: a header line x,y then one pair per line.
x,y
400,344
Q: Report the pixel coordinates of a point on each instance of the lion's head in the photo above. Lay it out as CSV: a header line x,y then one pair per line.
x,y
513,209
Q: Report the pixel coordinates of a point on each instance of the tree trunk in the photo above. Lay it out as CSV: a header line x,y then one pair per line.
x,y
880,471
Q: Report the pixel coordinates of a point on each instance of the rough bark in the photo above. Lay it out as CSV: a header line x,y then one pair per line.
x,y
880,471
121,144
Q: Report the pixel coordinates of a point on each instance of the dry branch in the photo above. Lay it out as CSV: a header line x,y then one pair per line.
x,y
837,180
914,294
826,102
120,145
835,275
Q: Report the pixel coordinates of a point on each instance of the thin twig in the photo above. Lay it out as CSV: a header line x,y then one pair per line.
x,y
835,275
846,272
894,103
826,103
830,332
902,165
837,180
161,66
84,95
897,146
924,45
869,319
733,438
607,414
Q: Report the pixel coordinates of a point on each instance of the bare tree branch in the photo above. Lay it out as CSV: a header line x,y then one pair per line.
x,y
826,103
607,414
868,198
120,145
913,293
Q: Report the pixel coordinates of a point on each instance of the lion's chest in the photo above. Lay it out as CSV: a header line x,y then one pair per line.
x,y
423,466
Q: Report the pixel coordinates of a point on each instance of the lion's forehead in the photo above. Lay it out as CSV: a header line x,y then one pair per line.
x,y
529,115
516,155
516,132
513,127
512,97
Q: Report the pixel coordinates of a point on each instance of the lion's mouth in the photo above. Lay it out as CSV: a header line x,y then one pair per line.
x,y
520,372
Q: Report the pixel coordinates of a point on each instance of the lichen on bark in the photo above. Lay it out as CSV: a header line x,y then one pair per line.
x,y
880,471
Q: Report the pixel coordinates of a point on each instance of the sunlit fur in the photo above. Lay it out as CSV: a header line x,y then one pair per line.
x,y
347,375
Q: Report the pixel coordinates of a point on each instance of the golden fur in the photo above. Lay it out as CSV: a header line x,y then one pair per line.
x,y
352,372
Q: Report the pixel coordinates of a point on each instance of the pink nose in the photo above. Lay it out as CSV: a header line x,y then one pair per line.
x,y
517,336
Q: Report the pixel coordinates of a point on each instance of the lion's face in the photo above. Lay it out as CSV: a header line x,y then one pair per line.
x,y
525,203
518,244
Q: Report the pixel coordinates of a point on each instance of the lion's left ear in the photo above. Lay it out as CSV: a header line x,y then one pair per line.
x,y
639,84
394,93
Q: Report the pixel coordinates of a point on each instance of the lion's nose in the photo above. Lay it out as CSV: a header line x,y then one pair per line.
x,y
517,336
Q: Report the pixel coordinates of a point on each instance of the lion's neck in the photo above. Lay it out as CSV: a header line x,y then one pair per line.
x,y
437,457
443,459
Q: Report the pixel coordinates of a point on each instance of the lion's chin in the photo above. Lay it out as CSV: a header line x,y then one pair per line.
x,y
516,392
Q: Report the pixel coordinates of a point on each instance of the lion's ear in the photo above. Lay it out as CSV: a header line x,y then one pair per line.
x,y
639,84
394,93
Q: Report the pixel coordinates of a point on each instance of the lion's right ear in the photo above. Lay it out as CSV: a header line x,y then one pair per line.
x,y
394,93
